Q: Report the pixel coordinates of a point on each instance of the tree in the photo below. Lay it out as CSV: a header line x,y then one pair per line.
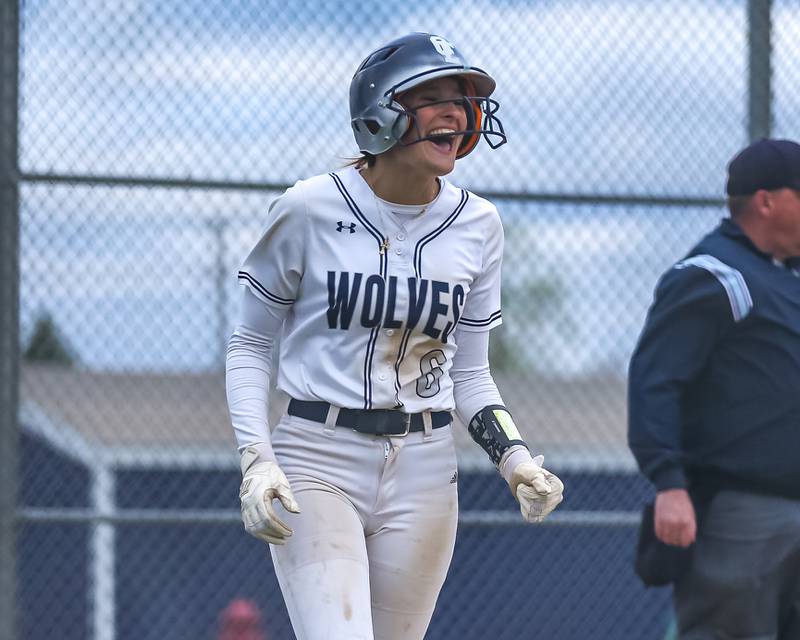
x,y
542,297
531,298
46,344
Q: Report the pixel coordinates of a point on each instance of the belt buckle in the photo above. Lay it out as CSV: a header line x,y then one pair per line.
x,y
385,421
408,425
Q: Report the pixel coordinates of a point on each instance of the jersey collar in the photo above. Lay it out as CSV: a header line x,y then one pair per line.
x,y
730,229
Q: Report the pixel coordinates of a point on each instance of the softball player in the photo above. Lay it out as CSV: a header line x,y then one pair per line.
x,y
382,281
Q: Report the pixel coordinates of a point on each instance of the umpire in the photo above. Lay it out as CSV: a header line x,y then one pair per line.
x,y
714,407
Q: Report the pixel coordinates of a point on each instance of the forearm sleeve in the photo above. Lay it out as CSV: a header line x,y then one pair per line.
x,y
248,368
473,385
474,390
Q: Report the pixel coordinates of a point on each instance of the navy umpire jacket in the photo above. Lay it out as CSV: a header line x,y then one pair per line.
x,y
714,381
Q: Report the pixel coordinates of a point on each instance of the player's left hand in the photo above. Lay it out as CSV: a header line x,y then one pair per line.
x,y
536,489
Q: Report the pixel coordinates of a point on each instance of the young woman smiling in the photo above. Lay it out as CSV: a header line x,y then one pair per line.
x,y
371,276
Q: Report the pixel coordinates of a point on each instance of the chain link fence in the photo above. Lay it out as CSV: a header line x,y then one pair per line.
x,y
141,145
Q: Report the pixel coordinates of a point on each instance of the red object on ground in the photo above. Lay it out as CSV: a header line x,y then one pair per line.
x,y
241,620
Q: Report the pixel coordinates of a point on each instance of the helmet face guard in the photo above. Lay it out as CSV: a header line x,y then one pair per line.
x,y
380,120
481,121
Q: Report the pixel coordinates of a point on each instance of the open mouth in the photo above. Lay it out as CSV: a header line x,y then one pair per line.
x,y
443,139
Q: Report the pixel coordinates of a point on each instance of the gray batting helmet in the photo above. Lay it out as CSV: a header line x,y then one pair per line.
x,y
379,120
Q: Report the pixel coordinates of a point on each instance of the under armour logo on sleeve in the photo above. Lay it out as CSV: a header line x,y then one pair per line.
x,y
341,226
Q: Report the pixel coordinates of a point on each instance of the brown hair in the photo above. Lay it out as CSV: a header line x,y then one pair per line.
x,y
737,205
364,160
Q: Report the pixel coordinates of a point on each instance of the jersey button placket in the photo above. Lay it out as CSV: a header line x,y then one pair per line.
x,y
398,246
398,267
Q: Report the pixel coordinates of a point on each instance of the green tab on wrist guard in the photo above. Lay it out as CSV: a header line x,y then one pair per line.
x,y
494,430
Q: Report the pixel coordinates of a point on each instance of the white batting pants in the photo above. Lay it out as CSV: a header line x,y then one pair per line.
x,y
375,536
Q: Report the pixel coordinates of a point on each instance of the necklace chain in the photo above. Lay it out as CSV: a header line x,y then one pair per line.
x,y
384,246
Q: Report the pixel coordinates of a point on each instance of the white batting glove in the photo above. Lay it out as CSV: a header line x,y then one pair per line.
x,y
536,489
262,482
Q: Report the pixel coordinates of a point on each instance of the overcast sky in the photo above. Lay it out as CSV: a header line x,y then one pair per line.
x,y
633,97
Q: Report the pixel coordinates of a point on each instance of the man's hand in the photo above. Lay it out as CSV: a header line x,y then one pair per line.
x,y
675,521
536,489
264,481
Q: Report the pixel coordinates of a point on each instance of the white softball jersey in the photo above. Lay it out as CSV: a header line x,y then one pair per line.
x,y
372,297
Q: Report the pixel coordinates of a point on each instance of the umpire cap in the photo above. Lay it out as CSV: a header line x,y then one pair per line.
x,y
766,164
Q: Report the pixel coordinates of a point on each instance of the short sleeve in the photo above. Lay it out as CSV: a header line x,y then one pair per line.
x,y
274,268
482,307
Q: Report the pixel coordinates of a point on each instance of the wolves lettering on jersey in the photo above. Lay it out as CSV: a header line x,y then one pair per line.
x,y
378,302
372,300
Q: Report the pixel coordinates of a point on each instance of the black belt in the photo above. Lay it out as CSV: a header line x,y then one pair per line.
x,y
379,422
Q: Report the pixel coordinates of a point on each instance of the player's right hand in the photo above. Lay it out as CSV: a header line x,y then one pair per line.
x,y
263,481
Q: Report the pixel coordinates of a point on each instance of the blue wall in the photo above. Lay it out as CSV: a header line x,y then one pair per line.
x,y
52,558
554,582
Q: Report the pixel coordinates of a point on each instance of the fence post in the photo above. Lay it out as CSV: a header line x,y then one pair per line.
x,y
102,553
9,312
759,80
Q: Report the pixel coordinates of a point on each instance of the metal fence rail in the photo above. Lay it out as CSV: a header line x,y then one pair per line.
x,y
520,196
232,517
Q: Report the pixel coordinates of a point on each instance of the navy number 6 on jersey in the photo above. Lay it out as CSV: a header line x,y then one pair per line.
x,y
430,366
